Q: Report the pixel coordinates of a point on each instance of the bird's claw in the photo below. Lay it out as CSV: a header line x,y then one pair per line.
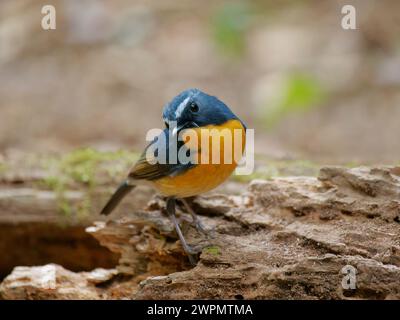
x,y
199,227
194,250
192,253
185,222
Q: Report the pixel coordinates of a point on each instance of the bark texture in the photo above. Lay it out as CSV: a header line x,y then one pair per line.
x,y
284,238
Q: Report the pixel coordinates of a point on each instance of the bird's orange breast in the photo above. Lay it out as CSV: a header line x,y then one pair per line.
x,y
205,176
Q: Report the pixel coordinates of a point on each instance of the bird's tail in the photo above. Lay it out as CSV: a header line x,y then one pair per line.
x,y
116,198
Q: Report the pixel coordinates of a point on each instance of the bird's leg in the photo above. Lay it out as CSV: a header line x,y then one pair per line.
x,y
199,226
185,222
171,212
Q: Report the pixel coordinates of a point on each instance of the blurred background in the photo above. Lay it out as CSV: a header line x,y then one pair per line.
x,y
76,102
310,89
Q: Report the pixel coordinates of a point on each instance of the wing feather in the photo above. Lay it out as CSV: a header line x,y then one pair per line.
x,y
146,169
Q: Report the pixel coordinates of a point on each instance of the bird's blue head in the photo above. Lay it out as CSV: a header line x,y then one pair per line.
x,y
193,108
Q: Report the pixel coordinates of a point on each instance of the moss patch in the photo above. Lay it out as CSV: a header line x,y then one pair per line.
x,y
214,250
83,168
86,166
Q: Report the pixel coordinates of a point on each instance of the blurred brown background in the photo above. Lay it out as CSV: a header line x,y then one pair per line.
x,y
310,89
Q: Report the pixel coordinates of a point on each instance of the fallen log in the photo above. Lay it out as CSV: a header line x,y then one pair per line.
x,y
331,237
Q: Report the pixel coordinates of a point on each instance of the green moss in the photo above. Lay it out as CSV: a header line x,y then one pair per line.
x,y
82,167
214,250
64,207
83,209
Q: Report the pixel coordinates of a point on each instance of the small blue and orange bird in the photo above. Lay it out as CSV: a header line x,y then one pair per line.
x,y
196,110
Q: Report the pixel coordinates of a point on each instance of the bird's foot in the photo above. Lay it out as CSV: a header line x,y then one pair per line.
x,y
186,222
196,222
200,228
192,252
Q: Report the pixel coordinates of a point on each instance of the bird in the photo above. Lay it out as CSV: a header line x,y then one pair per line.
x,y
180,180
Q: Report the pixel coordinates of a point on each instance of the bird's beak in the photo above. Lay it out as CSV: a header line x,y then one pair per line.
x,y
189,124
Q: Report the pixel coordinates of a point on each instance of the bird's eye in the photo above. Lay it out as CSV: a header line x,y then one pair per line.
x,y
194,107
166,124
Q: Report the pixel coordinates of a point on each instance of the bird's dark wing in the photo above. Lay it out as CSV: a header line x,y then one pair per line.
x,y
145,169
